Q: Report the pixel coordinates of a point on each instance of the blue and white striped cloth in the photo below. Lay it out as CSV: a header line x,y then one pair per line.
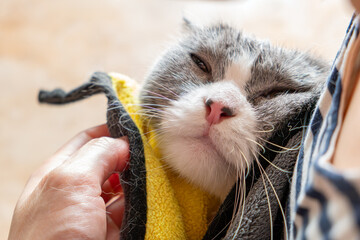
x,y
324,202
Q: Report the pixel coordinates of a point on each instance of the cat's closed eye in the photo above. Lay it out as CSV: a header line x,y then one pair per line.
x,y
270,94
274,93
203,65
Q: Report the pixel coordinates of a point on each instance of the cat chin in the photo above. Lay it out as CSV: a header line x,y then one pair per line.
x,y
198,161
212,166
209,156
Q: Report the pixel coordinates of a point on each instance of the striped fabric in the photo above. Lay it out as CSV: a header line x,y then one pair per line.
x,y
324,202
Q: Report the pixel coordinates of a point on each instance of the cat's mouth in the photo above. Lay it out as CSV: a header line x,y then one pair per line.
x,y
206,131
210,146
206,140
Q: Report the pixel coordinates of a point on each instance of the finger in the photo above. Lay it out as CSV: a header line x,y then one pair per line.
x,y
97,160
64,153
69,148
116,211
111,187
107,192
112,231
82,138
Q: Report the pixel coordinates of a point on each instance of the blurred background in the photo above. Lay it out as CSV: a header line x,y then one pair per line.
x,y
49,44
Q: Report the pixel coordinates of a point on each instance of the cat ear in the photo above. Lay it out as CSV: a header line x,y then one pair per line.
x,y
188,26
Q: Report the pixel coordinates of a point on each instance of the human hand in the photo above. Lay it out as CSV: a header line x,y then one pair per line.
x,y
66,198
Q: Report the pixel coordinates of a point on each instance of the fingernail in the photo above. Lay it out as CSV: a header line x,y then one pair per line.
x,y
114,199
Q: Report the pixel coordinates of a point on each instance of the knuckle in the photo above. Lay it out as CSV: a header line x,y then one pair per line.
x,y
69,185
103,143
56,178
64,178
83,135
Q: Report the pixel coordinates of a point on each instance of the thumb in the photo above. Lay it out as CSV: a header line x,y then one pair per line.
x,y
114,216
112,231
115,211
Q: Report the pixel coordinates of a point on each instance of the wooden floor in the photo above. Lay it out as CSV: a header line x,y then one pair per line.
x,y
48,44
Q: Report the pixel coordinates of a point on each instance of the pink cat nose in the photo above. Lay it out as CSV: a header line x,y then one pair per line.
x,y
216,111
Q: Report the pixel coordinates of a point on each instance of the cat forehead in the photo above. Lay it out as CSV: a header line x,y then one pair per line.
x,y
215,31
219,36
239,70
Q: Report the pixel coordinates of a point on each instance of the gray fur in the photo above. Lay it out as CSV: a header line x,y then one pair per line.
x,y
219,45
281,82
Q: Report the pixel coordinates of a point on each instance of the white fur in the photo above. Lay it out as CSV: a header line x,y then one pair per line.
x,y
240,71
210,156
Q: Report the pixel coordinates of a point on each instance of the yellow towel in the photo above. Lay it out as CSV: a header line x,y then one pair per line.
x,y
175,208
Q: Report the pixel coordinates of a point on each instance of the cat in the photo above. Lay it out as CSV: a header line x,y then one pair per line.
x,y
217,95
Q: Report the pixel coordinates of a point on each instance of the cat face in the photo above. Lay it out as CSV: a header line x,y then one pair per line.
x,y
216,96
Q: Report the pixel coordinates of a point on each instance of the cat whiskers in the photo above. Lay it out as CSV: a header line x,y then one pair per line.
x,y
263,151
240,202
149,105
266,130
157,96
267,196
281,147
145,97
124,121
263,172
147,115
295,148
261,146
163,87
242,188
164,165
